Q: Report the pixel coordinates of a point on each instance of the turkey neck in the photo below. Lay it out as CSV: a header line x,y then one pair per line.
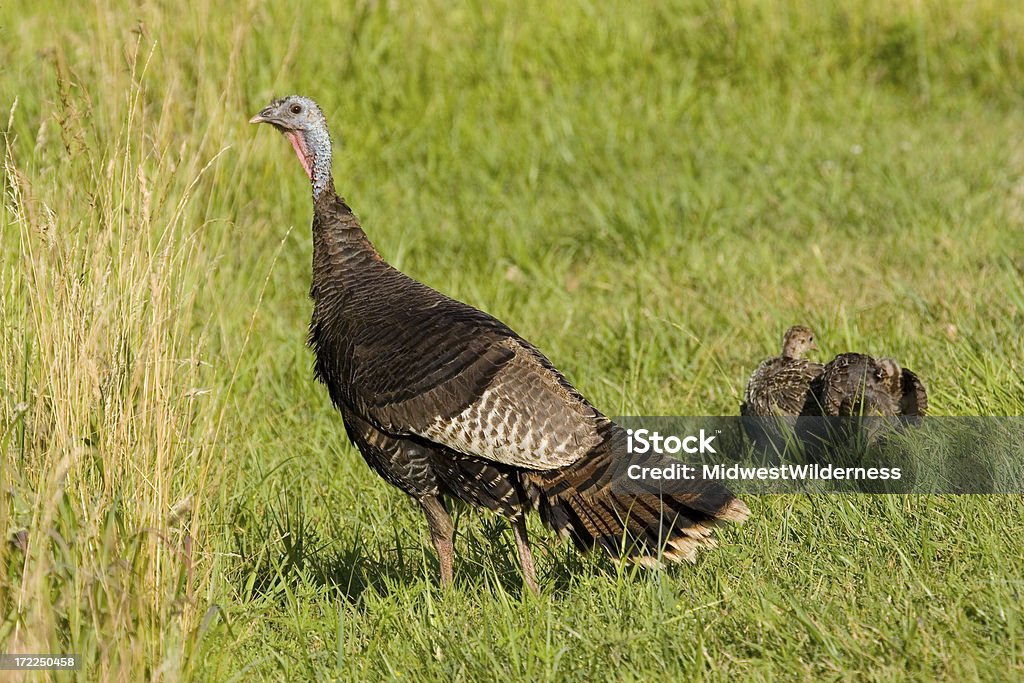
x,y
346,292
342,253
317,159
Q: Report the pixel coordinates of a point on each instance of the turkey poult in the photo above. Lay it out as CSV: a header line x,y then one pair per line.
x,y
854,384
871,397
780,384
777,392
444,400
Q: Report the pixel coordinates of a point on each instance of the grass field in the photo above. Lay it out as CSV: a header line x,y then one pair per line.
x,y
649,194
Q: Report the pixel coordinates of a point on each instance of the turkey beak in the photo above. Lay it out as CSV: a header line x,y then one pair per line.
x,y
813,346
264,116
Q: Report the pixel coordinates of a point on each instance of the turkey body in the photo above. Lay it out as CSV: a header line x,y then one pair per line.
x,y
444,400
777,393
863,400
780,387
855,384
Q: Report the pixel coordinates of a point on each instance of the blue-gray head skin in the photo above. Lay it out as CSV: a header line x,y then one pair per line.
x,y
302,122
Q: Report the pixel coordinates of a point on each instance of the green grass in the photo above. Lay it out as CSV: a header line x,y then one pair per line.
x,y
651,195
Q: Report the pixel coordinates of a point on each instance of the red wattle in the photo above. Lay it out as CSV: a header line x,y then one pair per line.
x,y
299,144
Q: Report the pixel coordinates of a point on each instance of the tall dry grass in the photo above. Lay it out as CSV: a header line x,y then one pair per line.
x,y
111,413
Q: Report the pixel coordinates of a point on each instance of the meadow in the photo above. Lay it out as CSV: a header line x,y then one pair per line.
x,y
649,193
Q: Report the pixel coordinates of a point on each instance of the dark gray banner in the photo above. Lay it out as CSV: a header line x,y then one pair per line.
x,y
39,662
951,455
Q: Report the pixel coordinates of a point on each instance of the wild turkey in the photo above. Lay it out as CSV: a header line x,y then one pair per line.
x,y
780,384
872,397
778,390
444,400
853,384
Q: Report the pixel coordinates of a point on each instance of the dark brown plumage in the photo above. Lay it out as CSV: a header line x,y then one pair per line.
x,y
872,397
854,384
444,400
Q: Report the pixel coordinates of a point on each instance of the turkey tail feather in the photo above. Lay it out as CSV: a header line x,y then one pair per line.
x,y
594,504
